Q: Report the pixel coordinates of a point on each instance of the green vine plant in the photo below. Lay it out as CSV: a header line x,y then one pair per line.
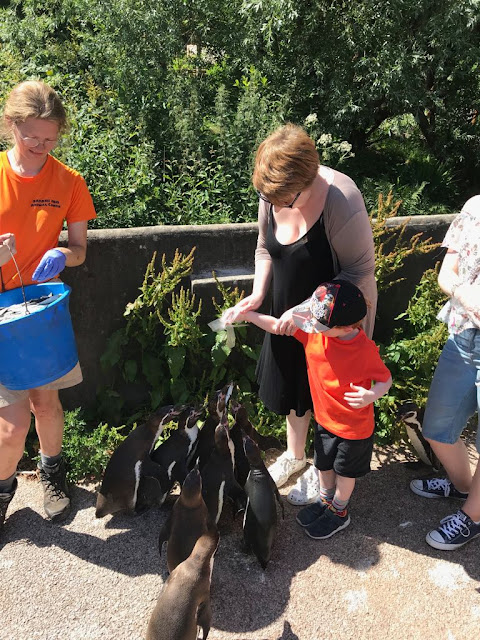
x,y
392,248
166,352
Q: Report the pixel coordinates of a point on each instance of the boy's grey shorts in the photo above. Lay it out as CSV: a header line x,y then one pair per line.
x,y
70,379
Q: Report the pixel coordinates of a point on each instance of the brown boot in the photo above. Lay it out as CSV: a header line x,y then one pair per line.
x,y
5,499
56,501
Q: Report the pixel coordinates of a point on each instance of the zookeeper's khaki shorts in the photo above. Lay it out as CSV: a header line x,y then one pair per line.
x,y
70,379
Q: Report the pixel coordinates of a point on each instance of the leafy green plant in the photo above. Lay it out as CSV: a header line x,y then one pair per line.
x,y
87,450
412,354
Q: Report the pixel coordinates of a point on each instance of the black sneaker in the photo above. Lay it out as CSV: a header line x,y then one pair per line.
x,y
454,531
56,501
5,499
311,512
327,524
436,488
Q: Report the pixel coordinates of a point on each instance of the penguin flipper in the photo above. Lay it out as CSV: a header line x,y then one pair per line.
x,y
164,534
279,500
204,617
151,469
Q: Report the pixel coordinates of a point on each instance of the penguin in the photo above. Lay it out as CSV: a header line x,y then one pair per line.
x,y
178,449
242,420
260,519
216,408
129,462
218,476
412,416
184,602
242,466
188,521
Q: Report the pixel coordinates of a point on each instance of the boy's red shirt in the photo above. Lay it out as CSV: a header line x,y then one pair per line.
x,y
332,365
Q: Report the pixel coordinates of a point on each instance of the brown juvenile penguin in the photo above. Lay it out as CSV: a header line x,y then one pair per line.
x,y
188,521
184,602
216,408
129,462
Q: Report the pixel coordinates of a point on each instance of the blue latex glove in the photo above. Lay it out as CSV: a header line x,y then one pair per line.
x,y
52,263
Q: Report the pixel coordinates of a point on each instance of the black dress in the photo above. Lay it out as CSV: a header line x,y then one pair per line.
x,y
298,268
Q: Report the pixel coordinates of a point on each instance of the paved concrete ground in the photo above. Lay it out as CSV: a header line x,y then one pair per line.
x,y
99,579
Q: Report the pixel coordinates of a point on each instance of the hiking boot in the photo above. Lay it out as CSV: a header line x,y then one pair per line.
x,y
5,499
56,501
329,523
454,531
309,514
306,489
285,466
436,488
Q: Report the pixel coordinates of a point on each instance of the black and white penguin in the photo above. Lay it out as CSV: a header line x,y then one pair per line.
x,y
260,520
179,448
130,462
412,417
188,521
218,475
217,406
184,602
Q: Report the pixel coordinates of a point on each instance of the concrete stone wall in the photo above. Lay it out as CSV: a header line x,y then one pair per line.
x,y
116,263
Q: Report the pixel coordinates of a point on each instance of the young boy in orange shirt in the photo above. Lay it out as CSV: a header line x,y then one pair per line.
x,y
342,364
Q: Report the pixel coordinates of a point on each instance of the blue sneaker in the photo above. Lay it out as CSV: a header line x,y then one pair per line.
x,y
311,512
436,488
454,531
329,523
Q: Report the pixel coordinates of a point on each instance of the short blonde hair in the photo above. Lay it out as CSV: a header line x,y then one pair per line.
x,y
286,162
33,99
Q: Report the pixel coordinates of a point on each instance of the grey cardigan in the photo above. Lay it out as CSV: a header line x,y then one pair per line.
x,y
349,234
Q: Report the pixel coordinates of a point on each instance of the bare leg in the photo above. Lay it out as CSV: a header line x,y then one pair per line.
x,y
297,429
14,426
454,458
48,413
328,479
345,487
472,504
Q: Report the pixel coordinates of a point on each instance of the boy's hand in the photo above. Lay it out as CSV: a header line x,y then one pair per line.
x,y
359,397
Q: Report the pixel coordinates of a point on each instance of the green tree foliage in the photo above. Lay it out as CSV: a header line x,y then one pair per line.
x,y
169,99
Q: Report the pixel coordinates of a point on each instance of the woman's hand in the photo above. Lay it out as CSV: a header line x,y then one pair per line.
x,y
7,247
285,325
250,303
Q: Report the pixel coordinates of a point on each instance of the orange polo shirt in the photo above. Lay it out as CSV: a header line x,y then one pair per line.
x,y
332,365
34,209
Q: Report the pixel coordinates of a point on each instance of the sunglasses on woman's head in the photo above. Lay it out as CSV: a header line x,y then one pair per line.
x,y
286,206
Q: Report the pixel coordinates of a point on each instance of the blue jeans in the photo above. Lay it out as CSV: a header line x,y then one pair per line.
x,y
454,394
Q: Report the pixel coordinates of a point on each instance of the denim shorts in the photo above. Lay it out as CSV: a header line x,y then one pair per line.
x,y
454,394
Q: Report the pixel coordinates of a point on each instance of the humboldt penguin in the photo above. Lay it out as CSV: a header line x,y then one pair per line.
x,y
184,602
216,407
241,419
178,449
188,521
218,476
131,461
412,417
260,520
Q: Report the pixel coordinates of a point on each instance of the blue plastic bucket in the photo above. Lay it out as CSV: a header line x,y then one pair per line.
x,y
40,347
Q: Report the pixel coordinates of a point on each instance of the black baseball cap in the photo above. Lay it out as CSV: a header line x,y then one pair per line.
x,y
338,303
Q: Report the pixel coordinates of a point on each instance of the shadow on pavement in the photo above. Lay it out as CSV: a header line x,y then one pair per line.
x,y
246,598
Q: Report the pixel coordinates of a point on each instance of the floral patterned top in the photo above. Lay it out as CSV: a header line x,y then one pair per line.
x,y
463,236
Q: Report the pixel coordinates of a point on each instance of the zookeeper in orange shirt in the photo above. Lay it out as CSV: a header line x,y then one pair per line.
x,y
37,195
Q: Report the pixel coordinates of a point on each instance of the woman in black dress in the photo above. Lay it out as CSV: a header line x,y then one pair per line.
x,y
313,226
